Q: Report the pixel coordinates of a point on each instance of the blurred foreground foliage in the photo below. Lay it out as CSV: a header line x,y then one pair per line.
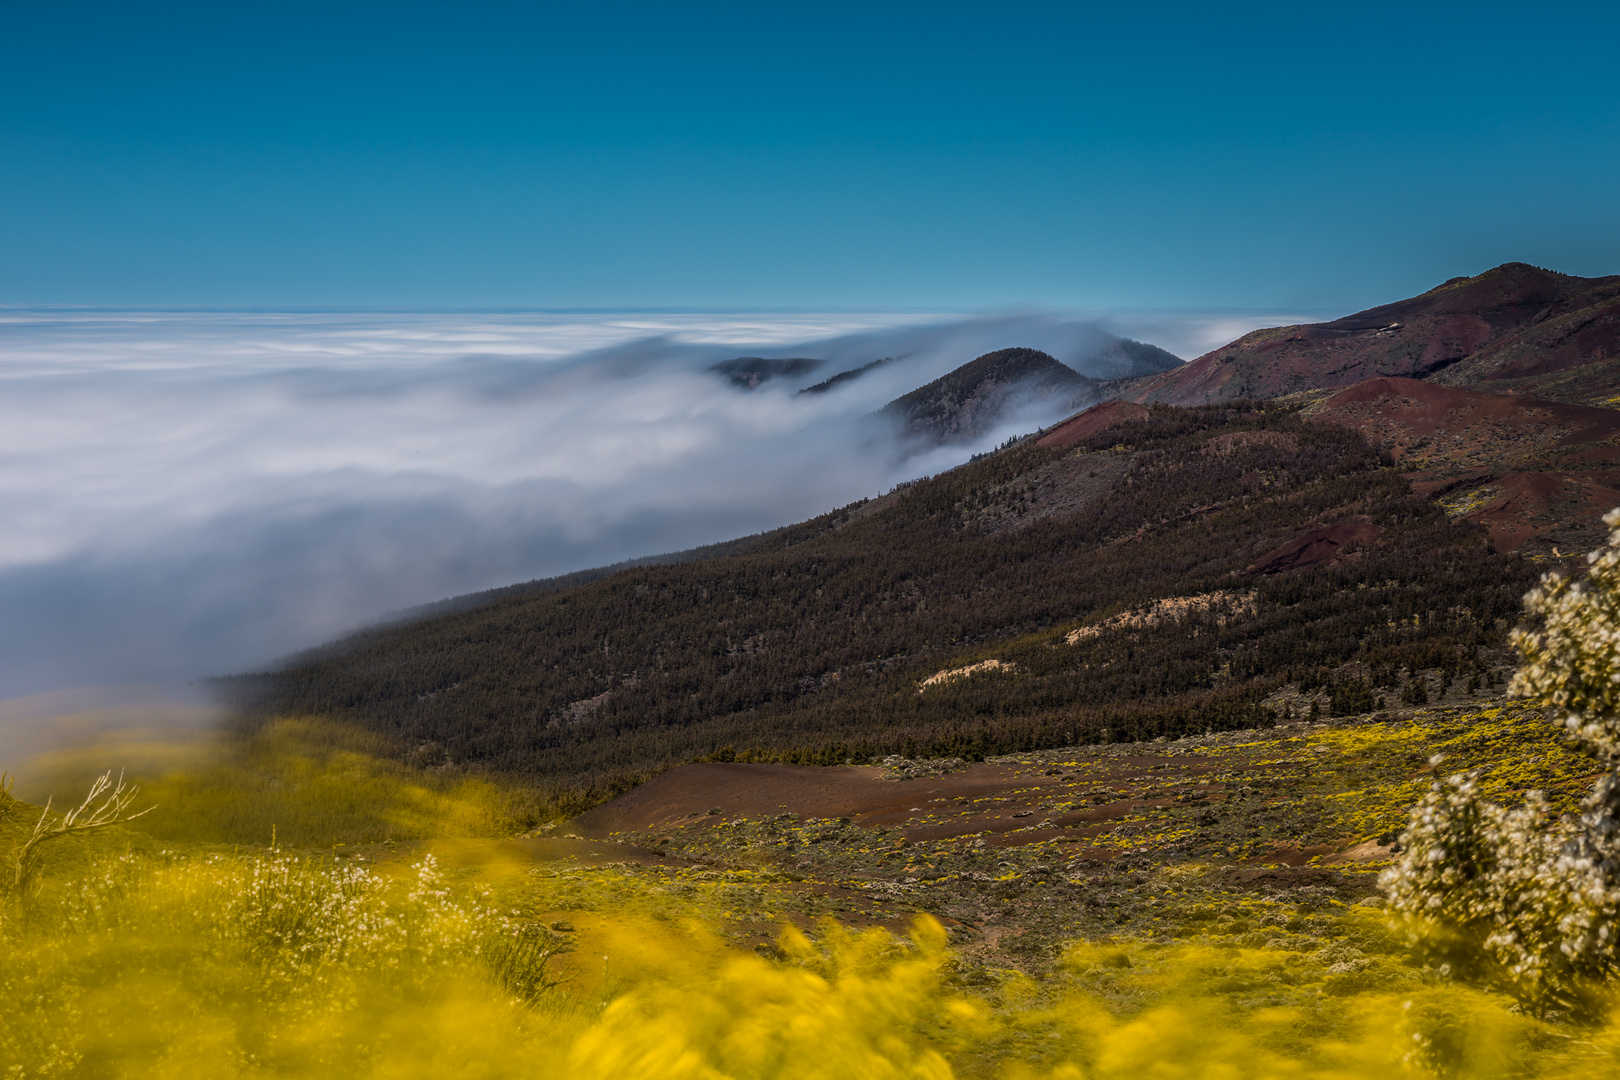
x,y
270,965
308,782
141,957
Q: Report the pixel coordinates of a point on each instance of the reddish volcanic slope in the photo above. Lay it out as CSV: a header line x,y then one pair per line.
x,y
1572,355
1097,418
1539,473
1425,421
1315,547
1558,513
1516,328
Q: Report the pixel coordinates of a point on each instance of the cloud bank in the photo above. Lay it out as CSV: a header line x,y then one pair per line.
x,y
196,494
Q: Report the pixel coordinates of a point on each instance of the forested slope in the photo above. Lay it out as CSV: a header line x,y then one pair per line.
x,y
813,643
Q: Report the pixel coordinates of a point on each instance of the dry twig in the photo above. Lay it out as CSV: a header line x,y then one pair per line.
x,y
106,804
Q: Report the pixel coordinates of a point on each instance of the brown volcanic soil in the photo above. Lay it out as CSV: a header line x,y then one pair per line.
x,y
690,791
1519,327
1535,473
1019,854
1453,424
874,796
1093,798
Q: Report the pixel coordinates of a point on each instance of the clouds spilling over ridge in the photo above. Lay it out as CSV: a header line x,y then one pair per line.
x,y
190,494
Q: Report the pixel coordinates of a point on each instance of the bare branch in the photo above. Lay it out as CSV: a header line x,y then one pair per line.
x,y
106,804
8,805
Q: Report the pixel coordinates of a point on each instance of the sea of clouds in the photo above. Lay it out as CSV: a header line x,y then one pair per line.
x,y
191,494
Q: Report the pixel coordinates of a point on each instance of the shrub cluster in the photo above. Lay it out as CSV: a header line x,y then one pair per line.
x,y
1514,896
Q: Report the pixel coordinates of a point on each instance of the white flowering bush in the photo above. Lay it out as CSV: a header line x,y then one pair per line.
x,y
300,921
1510,893
299,912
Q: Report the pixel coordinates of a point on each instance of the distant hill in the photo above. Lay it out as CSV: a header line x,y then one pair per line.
x,y
846,376
1147,572
1517,328
747,372
1112,357
966,404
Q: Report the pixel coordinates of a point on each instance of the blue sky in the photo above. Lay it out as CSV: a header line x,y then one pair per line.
x,y
1322,156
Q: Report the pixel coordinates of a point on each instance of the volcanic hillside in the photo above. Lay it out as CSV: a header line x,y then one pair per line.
x,y
1514,329
1166,571
1538,474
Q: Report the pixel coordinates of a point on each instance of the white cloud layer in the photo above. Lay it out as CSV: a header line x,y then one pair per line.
x,y
192,494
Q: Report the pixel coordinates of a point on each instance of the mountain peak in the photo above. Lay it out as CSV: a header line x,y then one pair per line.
x,y
1514,281
964,404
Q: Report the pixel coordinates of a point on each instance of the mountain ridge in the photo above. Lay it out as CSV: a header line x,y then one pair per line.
x,y
1521,327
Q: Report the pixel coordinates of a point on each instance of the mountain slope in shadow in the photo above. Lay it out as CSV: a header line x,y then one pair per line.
x,y
747,372
968,403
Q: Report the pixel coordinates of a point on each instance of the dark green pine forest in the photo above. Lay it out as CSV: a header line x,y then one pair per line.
x,y
809,644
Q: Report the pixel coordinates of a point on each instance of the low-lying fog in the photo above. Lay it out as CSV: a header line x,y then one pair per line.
x,y
194,494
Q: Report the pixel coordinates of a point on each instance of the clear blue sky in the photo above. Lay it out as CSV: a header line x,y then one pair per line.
x,y
769,154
